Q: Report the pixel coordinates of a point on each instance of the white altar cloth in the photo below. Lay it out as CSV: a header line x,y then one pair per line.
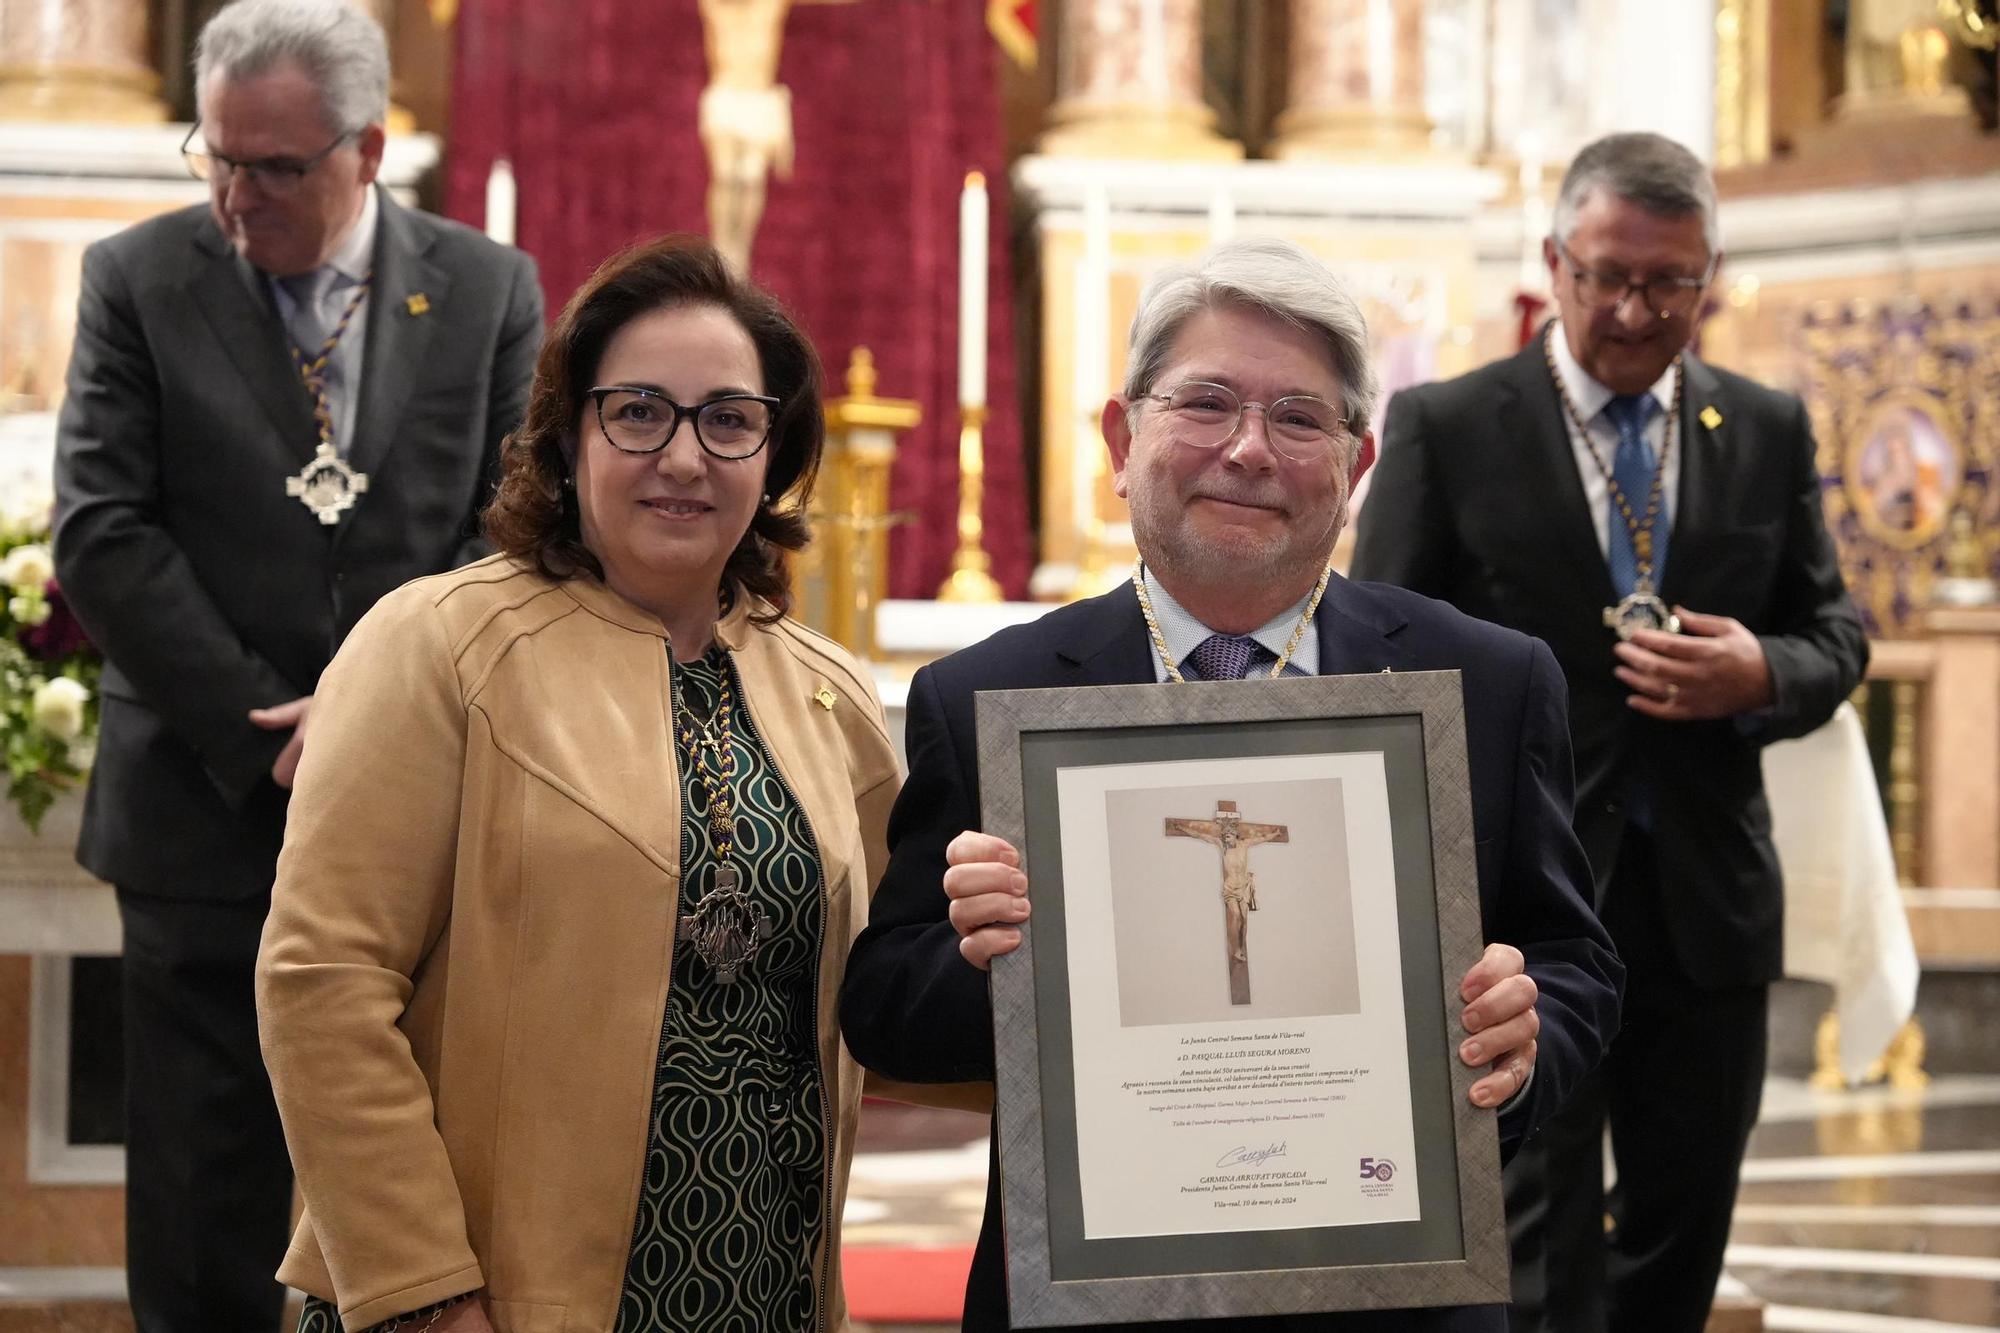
x,y
1845,923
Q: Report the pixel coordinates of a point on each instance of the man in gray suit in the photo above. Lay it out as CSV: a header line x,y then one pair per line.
x,y
280,407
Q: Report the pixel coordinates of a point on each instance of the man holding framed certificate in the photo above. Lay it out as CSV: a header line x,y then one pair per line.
x,y
1237,439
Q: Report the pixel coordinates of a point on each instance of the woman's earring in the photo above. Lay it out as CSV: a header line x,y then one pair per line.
x,y
767,497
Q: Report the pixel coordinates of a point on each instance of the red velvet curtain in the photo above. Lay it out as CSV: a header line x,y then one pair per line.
x,y
593,102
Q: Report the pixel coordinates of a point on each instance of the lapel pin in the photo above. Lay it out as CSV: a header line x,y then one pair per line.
x,y
419,304
825,698
1710,417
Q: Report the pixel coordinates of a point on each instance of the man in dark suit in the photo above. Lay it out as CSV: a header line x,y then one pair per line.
x,y
1601,490
280,407
1241,430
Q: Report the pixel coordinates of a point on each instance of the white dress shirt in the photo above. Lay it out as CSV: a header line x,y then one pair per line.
x,y
1184,634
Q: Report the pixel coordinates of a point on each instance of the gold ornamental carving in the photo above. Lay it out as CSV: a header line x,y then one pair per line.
x,y
1128,83
1355,80
78,60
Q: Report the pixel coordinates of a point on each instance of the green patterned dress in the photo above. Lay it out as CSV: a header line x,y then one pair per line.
x,y
733,1205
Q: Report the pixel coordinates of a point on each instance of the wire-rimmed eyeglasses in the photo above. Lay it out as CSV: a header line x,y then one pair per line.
x,y
275,176
1666,295
641,421
1300,426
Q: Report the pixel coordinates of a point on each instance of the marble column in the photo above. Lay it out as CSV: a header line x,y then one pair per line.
x,y
1128,83
1355,80
80,60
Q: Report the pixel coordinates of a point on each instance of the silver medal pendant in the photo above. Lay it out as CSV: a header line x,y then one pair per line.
x,y
726,928
327,485
1641,609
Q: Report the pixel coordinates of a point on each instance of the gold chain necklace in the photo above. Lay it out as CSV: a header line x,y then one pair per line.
x,y
1160,640
1641,608
726,927
327,485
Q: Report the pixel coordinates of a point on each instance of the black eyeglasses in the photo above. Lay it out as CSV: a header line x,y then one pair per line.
x,y
1604,288
277,176
641,421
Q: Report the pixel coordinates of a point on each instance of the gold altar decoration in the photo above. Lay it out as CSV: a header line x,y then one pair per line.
x,y
1896,62
1107,555
79,60
1742,82
851,556
1901,1066
1355,81
1905,402
1128,83
971,578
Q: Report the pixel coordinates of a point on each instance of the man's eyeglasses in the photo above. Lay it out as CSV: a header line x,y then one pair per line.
x,y
1604,288
641,421
275,176
1300,427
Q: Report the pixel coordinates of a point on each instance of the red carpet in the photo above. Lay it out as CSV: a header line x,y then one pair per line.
x,y
896,1285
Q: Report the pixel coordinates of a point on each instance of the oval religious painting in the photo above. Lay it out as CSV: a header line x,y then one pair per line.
x,y
1902,471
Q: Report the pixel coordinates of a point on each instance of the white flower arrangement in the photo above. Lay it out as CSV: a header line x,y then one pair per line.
x,y
48,667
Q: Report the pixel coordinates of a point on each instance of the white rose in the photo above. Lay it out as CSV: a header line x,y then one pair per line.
x,y
28,568
29,609
58,708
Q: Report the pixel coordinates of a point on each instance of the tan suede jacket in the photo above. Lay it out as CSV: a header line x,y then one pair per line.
x,y
465,970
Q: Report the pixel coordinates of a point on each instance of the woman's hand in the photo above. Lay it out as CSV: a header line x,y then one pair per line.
x,y
465,1317
989,896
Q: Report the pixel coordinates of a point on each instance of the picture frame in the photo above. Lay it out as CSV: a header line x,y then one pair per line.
x,y
1203,1112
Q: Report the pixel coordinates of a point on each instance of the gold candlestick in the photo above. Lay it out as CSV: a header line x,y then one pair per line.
x,y
855,521
970,579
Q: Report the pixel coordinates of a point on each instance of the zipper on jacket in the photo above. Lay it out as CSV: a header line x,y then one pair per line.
x,y
819,962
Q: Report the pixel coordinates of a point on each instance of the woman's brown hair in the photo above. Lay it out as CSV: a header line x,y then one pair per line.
x,y
533,516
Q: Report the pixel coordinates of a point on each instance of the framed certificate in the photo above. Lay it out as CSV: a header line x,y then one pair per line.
x,y
1227,1070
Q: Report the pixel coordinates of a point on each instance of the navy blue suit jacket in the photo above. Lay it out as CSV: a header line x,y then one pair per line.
x,y
913,1009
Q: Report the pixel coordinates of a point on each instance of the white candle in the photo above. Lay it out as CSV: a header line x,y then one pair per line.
x,y
972,292
500,200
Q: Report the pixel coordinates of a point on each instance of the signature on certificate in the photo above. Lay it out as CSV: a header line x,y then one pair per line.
x,y
1252,1156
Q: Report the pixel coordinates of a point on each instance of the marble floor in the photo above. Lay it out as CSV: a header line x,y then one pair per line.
x,y
1871,1211
1875,1211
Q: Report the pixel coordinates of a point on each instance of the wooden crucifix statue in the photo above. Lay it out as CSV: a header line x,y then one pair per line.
x,y
1234,838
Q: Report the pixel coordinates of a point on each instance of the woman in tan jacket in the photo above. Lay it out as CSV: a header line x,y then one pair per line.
x,y
576,853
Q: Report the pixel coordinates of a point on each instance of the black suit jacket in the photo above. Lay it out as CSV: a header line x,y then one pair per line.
x,y
1477,500
211,591
913,1009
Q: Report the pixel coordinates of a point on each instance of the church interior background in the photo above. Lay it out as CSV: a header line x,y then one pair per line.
x,y
1070,147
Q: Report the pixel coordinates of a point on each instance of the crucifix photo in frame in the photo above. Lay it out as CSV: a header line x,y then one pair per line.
x,y
1225,1047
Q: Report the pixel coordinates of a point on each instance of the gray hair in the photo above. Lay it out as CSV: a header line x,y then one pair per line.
x,y
340,48
1649,170
1258,273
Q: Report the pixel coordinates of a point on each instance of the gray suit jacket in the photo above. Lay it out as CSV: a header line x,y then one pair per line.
x,y
209,589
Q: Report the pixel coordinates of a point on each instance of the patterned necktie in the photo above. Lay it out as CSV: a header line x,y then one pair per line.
x,y
1632,468
311,324
1224,656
